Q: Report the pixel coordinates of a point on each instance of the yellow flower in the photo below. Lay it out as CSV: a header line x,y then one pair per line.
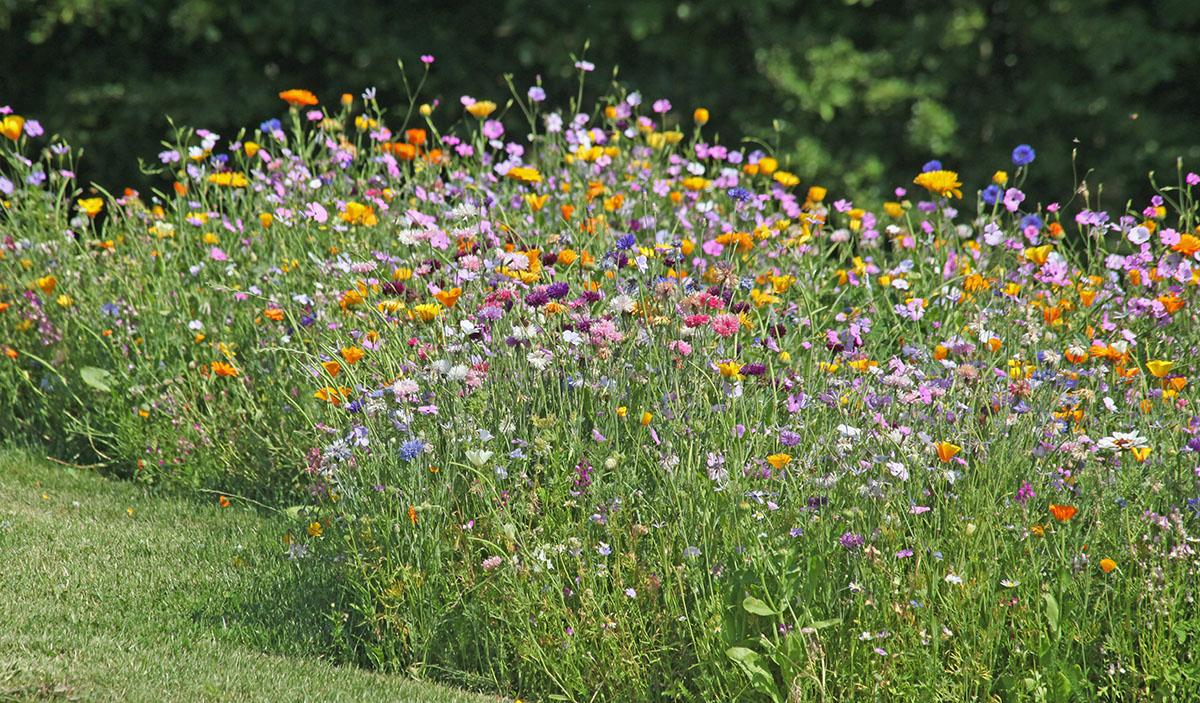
x,y
91,206
228,179
251,148
1159,367
12,126
700,116
359,214
778,461
427,311
695,183
1038,255
47,284
315,529
941,183
646,418
481,108
65,301
786,179
525,174
767,165
622,411
816,194
894,210
730,369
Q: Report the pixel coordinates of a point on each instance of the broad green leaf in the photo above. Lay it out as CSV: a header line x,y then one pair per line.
x,y
756,607
99,379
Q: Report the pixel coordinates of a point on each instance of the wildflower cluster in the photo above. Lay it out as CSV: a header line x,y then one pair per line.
x,y
610,390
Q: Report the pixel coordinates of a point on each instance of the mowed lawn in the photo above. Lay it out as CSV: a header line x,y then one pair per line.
x,y
111,592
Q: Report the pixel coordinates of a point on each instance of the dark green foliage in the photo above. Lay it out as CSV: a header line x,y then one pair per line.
x,y
862,92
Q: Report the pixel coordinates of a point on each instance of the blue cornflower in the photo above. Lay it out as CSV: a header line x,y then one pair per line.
x,y
271,125
411,449
626,241
1031,221
934,165
991,194
739,194
1023,155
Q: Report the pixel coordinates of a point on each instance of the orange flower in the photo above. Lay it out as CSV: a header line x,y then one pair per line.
x,y
222,368
297,97
1107,565
223,502
1062,513
448,297
416,137
332,366
274,314
1187,245
412,514
946,450
352,355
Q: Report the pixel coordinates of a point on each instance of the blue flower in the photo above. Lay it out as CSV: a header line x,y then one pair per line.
x,y
1031,221
934,165
626,241
1023,155
271,125
991,194
411,449
739,194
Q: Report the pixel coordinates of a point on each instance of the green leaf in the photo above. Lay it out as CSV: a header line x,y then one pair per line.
x,y
760,679
1052,611
99,379
822,624
755,606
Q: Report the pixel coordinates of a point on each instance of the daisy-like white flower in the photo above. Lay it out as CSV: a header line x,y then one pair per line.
x,y
1122,440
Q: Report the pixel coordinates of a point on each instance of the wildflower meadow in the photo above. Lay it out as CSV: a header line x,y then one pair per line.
x,y
583,402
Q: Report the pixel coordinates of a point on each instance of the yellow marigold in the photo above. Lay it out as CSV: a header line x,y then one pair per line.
x,y
695,183
91,206
787,179
525,174
47,284
427,312
943,183
481,108
778,461
229,179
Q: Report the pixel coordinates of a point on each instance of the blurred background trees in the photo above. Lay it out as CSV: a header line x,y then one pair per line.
x,y
853,94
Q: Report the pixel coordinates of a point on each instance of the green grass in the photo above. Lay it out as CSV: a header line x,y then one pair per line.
x,y
114,593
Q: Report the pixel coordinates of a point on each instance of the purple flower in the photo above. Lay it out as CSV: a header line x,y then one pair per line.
x,y
427,59
934,165
33,128
662,105
1023,155
1025,493
851,540
536,94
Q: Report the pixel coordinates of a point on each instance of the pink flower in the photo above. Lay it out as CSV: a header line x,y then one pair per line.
x,y
491,563
317,211
726,325
217,254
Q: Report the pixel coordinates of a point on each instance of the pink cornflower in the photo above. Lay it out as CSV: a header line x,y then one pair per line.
x,y
726,325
